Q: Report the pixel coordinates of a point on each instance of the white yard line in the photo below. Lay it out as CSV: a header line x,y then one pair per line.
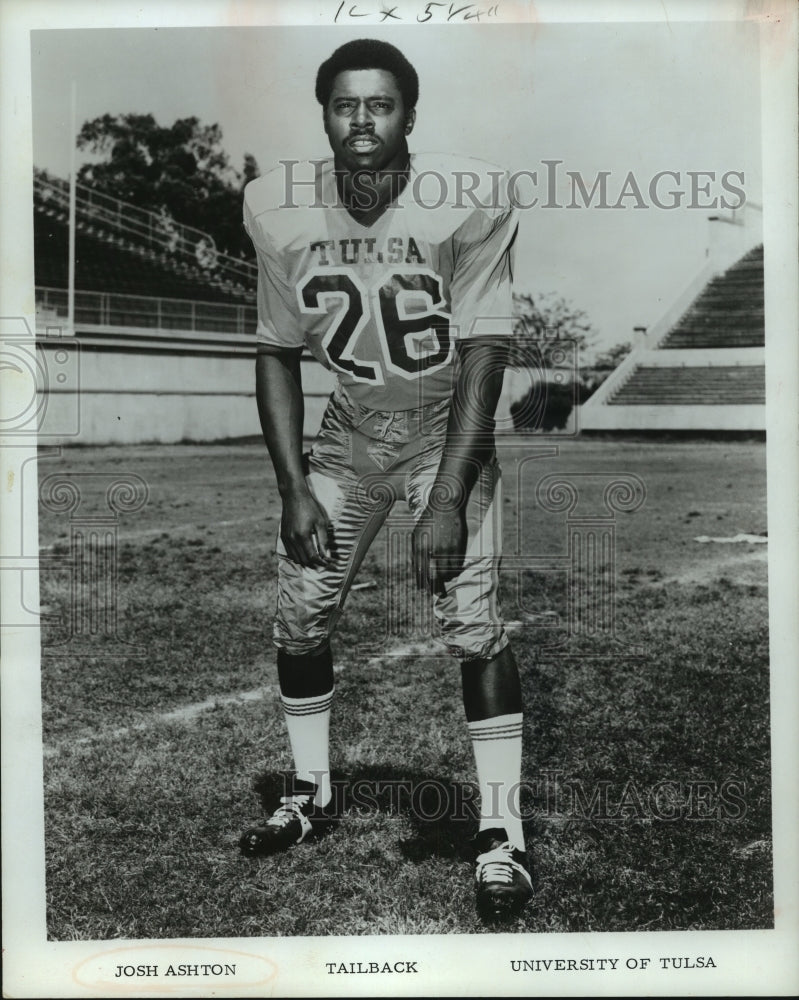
x,y
435,647
189,713
184,713
424,648
428,647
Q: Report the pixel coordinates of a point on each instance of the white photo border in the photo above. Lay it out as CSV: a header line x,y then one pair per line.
x,y
750,962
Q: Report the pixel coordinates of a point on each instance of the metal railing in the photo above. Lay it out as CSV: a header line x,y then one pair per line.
x,y
112,309
158,232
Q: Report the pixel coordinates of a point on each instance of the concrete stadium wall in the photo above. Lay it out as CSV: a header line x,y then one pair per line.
x,y
678,418
117,385
112,385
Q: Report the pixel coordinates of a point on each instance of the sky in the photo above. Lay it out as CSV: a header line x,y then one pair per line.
x,y
623,97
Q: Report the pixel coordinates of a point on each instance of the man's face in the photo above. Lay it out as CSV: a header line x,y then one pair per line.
x,y
366,122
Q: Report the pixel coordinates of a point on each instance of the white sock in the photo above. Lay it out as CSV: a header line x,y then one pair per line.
x,y
497,745
308,723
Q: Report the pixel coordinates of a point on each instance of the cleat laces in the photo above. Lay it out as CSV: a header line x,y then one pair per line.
x,y
498,865
291,808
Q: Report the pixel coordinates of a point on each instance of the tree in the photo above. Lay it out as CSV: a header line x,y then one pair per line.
x,y
549,322
251,170
612,357
181,169
551,339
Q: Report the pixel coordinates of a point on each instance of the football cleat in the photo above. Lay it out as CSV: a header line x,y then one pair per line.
x,y
504,885
296,819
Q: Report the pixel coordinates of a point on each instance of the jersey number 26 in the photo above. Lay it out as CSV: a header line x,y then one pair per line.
x,y
407,306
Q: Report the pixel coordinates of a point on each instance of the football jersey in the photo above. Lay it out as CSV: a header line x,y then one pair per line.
x,y
381,305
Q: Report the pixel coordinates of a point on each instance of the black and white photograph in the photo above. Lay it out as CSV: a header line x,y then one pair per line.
x,y
399,534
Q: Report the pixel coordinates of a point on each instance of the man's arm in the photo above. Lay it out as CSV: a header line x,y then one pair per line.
x,y
482,310
439,538
278,393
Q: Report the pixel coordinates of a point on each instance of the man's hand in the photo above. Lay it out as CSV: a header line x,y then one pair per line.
x,y
304,531
438,547
439,538
278,392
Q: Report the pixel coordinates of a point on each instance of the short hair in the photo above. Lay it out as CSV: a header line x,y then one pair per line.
x,y
368,53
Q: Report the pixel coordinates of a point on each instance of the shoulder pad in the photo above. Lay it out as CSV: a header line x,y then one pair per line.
x,y
466,182
275,189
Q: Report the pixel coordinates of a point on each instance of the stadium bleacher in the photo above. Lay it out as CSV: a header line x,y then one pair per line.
x,y
720,385
108,263
701,367
159,336
728,313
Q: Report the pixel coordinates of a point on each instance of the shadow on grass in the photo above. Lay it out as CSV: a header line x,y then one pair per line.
x,y
441,812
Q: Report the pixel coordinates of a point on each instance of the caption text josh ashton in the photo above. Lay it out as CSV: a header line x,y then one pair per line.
x,y
198,969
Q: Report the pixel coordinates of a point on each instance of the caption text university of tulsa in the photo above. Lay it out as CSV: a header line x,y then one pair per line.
x,y
632,963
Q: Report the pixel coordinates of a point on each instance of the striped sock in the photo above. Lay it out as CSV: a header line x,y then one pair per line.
x,y
308,723
497,745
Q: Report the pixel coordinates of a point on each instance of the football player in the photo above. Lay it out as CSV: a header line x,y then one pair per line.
x,y
407,298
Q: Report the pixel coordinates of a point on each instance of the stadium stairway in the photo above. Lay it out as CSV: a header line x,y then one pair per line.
x,y
693,386
728,313
701,368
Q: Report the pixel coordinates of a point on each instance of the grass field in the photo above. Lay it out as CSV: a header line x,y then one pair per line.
x,y
646,776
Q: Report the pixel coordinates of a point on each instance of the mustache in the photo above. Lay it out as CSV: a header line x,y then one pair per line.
x,y
362,133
